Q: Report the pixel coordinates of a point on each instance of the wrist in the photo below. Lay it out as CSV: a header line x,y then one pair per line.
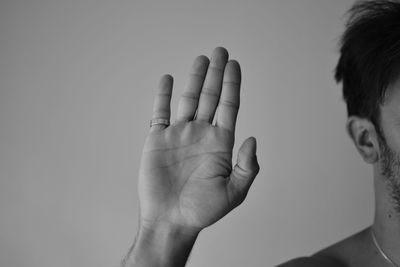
x,y
162,244
167,229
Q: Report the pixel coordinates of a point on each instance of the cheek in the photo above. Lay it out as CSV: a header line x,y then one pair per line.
x,y
392,137
390,154
390,128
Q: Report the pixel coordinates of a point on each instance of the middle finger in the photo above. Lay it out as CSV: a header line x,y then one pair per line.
x,y
212,85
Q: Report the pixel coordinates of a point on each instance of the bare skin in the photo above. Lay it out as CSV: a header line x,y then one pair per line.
x,y
187,181
359,249
186,178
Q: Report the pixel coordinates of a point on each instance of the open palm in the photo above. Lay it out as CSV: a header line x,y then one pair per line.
x,y
186,175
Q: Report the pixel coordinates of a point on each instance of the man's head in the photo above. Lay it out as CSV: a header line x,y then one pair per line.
x,y
369,69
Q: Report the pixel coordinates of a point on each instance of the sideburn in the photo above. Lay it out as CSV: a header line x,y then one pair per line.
x,y
390,169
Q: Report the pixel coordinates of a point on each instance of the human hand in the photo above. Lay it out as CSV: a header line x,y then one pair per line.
x,y
186,177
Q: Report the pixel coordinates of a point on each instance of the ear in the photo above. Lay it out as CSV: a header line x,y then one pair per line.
x,y
365,138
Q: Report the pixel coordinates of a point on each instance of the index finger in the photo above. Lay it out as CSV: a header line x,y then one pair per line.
x,y
229,101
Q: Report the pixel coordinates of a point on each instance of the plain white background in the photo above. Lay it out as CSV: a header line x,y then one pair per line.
x,y
77,81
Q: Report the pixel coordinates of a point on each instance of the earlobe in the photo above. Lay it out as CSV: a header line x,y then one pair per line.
x,y
364,137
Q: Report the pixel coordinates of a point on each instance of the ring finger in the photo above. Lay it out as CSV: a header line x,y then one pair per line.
x,y
162,104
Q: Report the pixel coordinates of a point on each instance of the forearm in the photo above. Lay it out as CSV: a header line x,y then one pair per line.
x,y
161,245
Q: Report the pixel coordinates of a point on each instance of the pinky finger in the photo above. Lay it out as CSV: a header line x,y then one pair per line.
x,y
162,107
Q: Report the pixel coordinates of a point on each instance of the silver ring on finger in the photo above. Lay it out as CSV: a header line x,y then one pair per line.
x,y
159,121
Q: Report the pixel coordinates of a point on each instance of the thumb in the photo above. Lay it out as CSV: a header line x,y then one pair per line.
x,y
244,172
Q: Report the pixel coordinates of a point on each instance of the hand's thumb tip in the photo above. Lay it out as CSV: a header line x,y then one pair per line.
x,y
253,141
250,145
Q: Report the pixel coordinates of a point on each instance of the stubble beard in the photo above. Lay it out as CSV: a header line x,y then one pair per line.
x,y
390,170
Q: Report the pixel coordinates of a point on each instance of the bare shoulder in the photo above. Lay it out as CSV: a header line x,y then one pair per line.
x,y
352,251
355,250
313,261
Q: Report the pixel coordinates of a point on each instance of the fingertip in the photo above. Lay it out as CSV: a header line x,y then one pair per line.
x,y
220,52
253,145
167,78
200,65
248,147
233,67
252,163
253,139
166,81
165,85
202,59
234,63
221,49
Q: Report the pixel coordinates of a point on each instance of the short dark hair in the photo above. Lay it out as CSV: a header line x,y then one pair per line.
x,y
369,57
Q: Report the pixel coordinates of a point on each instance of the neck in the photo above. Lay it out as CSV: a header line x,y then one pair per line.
x,y
387,221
